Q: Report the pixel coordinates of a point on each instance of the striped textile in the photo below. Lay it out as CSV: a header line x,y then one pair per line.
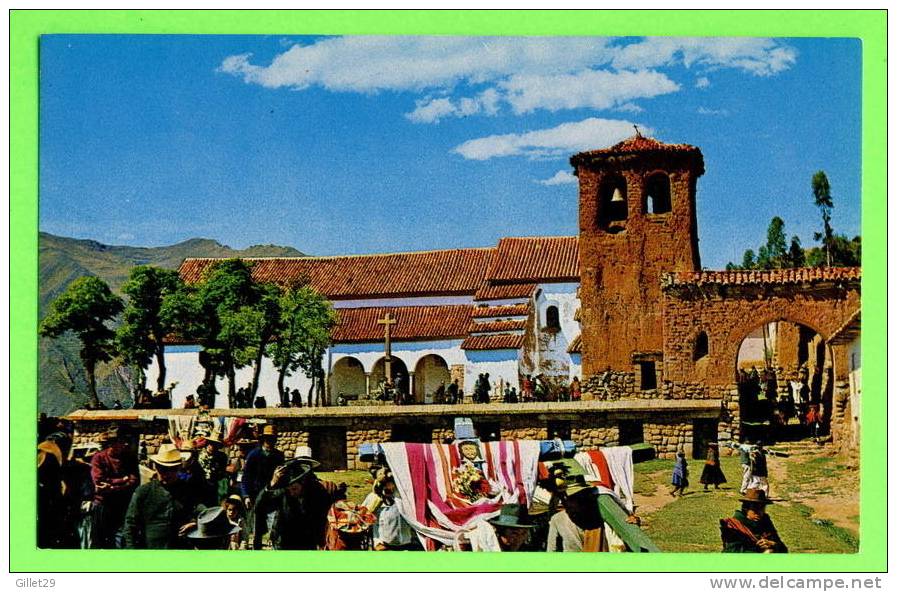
x,y
427,500
610,469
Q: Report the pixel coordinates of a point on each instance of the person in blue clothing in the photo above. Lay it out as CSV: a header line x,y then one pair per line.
x,y
257,472
680,475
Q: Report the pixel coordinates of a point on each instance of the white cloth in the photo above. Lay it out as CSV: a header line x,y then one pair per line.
x,y
391,529
483,538
444,531
619,462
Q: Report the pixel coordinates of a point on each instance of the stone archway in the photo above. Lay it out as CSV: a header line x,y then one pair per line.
x,y
399,373
782,368
347,377
430,372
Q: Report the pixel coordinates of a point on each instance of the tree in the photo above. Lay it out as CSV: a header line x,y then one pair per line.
x,y
84,309
256,324
146,322
822,198
796,257
306,323
749,261
776,247
224,301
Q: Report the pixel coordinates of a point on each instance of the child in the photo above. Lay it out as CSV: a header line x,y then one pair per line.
x,y
712,474
813,421
236,513
680,475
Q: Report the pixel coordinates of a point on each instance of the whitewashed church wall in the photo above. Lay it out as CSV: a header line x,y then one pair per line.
x,y
410,352
394,302
182,367
575,366
503,367
553,358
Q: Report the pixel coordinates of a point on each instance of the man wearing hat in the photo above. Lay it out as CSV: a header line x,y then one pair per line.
x,y
213,461
750,530
212,530
300,503
512,527
162,509
260,464
579,526
115,476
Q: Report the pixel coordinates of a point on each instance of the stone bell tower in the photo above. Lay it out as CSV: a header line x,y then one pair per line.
x,y
636,221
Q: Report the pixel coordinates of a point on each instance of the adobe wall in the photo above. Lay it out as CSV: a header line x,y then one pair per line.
x,y
620,272
728,314
666,424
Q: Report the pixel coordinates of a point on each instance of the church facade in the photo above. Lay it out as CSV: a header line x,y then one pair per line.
x,y
508,311
625,305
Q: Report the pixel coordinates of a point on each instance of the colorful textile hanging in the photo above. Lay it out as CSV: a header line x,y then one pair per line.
x,y
446,488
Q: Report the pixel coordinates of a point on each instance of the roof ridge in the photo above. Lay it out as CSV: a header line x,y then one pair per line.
x,y
327,257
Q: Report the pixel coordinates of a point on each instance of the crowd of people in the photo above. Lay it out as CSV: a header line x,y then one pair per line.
x,y
762,399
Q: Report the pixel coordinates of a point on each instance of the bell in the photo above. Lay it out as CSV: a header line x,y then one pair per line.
x,y
618,195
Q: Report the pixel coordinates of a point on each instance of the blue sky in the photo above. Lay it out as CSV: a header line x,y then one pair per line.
x,y
370,144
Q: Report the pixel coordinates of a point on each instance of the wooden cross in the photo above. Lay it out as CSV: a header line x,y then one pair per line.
x,y
387,320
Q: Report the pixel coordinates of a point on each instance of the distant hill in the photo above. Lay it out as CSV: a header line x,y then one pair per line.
x,y
61,381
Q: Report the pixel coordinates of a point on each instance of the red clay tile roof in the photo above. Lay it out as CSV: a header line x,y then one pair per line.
x,y
639,144
484,342
497,326
504,291
575,346
536,259
455,271
773,276
507,310
358,325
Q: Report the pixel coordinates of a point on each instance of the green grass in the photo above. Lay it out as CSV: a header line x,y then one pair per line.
x,y
359,483
691,523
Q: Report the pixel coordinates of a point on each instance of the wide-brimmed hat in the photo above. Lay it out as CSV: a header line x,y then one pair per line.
x,y
350,518
755,496
303,453
297,470
576,484
167,456
513,516
234,498
212,524
268,431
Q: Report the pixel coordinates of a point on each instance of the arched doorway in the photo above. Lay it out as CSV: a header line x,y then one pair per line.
x,y
399,374
347,377
431,372
782,369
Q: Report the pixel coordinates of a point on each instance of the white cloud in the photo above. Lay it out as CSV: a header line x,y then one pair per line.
x,y
758,56
629,108
551,143
524,74
433,110
559,178
370,64
595,89
707,111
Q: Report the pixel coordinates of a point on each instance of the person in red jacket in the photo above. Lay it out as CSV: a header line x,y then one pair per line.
x,y
114,474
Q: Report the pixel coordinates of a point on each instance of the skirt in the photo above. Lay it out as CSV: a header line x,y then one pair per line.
x,y
712,475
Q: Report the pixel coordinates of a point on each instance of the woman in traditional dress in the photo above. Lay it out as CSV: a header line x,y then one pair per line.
x,y
680,475
712,473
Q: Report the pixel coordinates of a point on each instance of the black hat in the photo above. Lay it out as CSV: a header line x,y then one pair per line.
x,y
755,496
513,516
213,524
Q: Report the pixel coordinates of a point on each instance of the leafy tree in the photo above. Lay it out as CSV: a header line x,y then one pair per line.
x,y
822,198
255,324
224,301
749,260
145,323
306,323
796,256
84,309
844,253
776,247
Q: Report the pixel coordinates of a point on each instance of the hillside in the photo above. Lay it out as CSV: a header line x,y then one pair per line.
x,y
61,382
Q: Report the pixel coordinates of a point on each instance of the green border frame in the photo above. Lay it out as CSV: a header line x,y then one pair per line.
x,y
25,29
